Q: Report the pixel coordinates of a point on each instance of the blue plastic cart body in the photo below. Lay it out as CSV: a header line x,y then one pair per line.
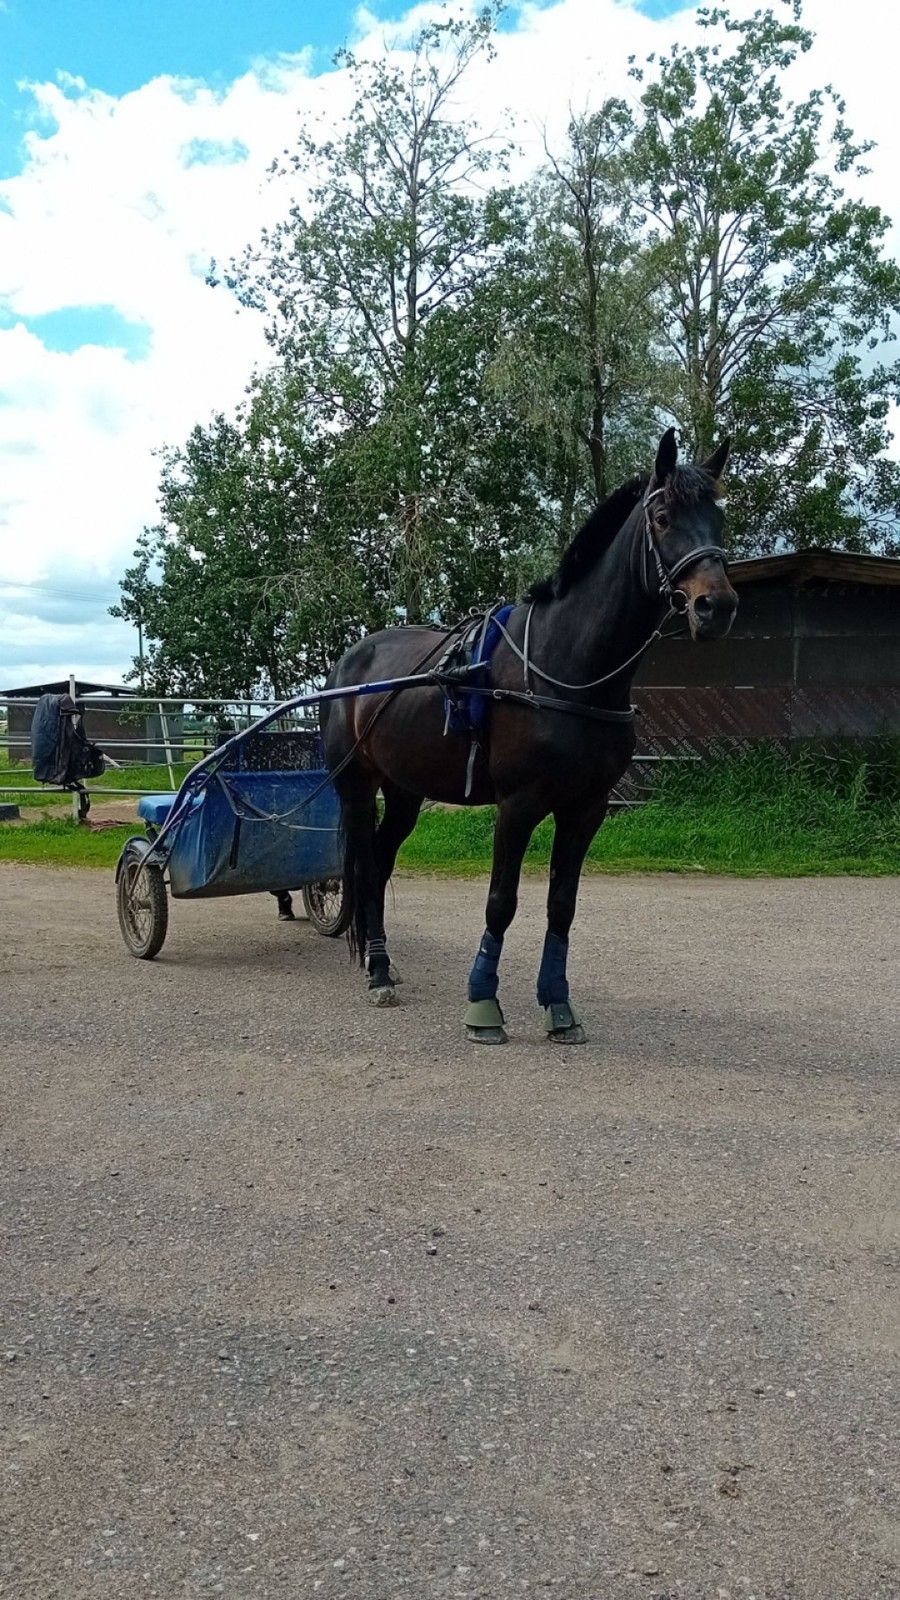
x,y
220,847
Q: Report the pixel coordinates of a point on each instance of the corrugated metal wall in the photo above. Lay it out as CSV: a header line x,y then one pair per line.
x,y
814,661
692,720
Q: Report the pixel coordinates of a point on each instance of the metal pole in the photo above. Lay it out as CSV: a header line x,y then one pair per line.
x,y
75,799
140,629
164,724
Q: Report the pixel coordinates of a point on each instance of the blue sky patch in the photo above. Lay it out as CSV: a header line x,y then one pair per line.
x,y
118,48
74,326
214,153
663,8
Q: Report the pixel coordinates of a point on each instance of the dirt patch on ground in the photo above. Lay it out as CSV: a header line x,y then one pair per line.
x,y
302,1299
102,811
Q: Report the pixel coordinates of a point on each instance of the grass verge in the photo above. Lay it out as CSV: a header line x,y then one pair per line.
x,y
826,811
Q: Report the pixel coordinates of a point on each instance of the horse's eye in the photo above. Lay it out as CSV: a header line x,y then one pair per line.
x,y
662,520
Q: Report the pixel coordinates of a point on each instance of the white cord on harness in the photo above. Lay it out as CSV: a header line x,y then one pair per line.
x,y
559,683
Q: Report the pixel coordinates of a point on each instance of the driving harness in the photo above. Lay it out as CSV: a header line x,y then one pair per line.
x,y
471,649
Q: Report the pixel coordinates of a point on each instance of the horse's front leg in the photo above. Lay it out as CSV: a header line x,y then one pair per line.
x,y
517,819
571,840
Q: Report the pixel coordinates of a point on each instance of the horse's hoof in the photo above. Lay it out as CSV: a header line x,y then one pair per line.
x,y
286,916
484,1023
573,1035
563,1026
383,995
487,1035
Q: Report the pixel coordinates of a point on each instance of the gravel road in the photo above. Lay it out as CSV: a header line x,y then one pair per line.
x,y
303,1299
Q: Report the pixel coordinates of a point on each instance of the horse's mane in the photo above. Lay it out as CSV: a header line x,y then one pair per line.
x,y
590,541
686,486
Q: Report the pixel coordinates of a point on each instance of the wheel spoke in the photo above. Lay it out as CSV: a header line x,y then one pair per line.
x,y
139,905
325,905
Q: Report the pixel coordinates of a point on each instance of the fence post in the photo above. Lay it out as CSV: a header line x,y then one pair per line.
x,y
164,725
76,798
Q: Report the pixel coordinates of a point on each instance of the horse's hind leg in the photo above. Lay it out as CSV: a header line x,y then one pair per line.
x,y
517,819
572,837
401,810
357,793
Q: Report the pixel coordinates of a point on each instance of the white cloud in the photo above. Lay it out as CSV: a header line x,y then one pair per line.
x,y
123,201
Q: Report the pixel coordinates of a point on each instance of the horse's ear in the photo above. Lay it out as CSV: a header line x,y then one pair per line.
x,y
666,456
715,466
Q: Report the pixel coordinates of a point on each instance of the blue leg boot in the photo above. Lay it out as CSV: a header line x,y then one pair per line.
x,y
560,1019
484,1019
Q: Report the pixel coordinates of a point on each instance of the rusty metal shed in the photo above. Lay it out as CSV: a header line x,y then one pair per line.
x,y
814,653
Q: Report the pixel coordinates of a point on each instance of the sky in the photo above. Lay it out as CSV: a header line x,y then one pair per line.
x,y
134,143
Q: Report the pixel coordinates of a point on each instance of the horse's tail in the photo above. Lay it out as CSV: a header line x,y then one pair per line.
x,y
356,933
352,907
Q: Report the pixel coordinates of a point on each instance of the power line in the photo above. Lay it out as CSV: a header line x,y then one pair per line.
x,y
62,591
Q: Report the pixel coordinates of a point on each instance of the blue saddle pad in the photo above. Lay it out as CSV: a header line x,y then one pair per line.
x,y
467,713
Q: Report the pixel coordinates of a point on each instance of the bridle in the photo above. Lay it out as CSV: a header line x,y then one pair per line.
x,y
677,602
666,576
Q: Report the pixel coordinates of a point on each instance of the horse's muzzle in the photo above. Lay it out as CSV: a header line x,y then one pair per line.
x,y
710,615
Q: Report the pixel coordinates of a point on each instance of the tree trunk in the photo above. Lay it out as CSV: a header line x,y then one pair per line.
x,y
710,367
569,489
597,440
414,597
597,445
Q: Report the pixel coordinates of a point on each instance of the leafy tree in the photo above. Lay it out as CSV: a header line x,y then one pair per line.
x,y
583,357
241,526
375,475
776,293
378,293
463,367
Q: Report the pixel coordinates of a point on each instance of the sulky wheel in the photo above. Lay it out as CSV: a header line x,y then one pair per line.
x,y
142,905
327,907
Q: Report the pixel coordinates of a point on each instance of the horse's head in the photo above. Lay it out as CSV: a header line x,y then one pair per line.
x,y
683,534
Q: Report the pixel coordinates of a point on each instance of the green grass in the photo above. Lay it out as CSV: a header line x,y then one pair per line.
x,y
825,811
61,843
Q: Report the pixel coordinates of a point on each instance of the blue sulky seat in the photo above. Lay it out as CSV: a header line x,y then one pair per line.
x,y
155,808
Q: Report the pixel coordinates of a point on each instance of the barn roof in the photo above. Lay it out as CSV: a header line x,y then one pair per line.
x,y
834,566
30,691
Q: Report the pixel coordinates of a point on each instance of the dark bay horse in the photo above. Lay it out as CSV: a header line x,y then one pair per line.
x,y
560,741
